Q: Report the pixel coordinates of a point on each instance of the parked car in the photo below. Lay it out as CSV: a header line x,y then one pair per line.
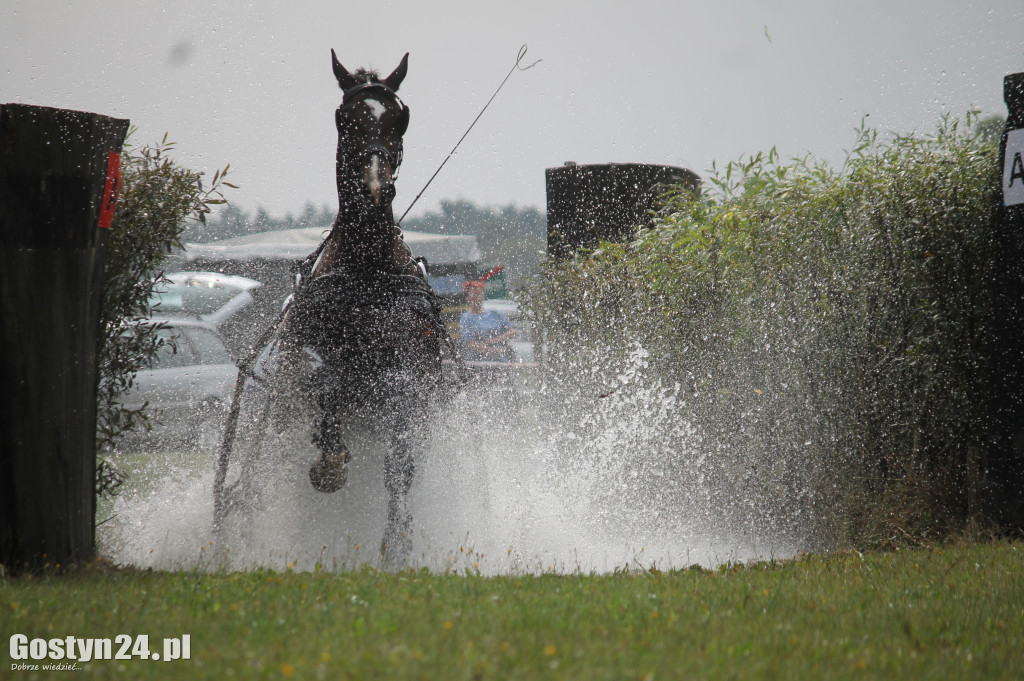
x,y
210,296
232,304
189,387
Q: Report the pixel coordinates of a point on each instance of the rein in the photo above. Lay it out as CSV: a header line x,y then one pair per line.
x,y
519,58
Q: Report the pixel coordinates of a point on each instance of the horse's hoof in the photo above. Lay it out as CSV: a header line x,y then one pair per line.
x,y
395,551
396,546
330,471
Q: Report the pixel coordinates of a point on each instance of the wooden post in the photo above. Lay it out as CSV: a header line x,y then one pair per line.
x,y
59,178
1005,467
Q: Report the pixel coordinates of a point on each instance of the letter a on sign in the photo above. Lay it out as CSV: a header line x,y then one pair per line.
x,y
1013,169
111,188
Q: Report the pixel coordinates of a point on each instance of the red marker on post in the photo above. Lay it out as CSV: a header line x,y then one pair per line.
x,y
111,189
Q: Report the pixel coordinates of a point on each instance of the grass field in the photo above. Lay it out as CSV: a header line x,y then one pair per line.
x,y
949,613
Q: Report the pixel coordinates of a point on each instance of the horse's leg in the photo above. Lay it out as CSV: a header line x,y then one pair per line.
x,y
399,469
330,471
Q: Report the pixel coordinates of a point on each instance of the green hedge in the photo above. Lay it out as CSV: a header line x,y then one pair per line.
x,y
816,339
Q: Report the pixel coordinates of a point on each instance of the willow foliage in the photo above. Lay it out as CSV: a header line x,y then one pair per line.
x,y
828,325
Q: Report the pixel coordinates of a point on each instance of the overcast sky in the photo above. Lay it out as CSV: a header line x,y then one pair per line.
x,y
680,83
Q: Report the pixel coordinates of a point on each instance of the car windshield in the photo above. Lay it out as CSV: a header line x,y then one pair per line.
x,y
194,297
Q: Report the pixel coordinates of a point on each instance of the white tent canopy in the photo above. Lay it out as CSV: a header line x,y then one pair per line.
x,y
296,244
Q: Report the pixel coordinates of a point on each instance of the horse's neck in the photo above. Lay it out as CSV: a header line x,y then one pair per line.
x,y
364,246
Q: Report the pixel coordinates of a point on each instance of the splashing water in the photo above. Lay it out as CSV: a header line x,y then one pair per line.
x,y
542,482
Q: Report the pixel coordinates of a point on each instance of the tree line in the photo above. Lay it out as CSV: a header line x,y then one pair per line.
x,y
511,235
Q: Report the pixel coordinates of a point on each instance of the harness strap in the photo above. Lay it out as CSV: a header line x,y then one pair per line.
x,y
371,85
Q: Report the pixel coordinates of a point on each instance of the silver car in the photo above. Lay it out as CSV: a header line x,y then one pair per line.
x,y
211,296
188,387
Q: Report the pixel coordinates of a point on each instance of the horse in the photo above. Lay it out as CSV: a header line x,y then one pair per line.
x,y
363,310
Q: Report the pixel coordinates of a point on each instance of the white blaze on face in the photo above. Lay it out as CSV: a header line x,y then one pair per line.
x,y
376,108
376,176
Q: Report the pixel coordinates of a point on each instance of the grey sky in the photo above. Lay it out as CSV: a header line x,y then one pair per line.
x,y
682,83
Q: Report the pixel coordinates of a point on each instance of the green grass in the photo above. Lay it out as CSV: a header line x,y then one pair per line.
x,y
950,613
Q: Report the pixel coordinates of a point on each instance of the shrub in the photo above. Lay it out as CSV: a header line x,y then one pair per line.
x,y
157,198
821,332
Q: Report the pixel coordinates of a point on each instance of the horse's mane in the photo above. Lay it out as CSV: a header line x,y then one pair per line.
x,y
364,74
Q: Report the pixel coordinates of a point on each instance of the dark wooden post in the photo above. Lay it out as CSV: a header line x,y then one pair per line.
x,y
587,203
59,178
1005,469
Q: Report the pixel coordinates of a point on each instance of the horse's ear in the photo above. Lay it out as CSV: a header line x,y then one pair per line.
x,y
398,75
345,79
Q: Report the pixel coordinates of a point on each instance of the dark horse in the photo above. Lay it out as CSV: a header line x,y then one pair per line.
x,y
363,311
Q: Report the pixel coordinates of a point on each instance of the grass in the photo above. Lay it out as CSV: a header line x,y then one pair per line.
x,y
952,613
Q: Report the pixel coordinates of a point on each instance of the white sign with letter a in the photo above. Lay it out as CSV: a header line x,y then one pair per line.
x,y
1013,168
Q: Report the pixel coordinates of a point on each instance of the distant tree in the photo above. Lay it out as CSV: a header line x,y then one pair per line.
x,y
990,129
310,216
230,222
509,235
327,215
234,222
262,222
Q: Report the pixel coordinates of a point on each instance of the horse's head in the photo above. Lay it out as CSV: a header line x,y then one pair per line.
x,y
371,121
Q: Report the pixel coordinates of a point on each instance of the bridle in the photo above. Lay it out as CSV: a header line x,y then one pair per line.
x,y
350,98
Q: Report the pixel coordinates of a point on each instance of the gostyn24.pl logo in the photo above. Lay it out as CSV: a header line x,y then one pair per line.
x,y
70,650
